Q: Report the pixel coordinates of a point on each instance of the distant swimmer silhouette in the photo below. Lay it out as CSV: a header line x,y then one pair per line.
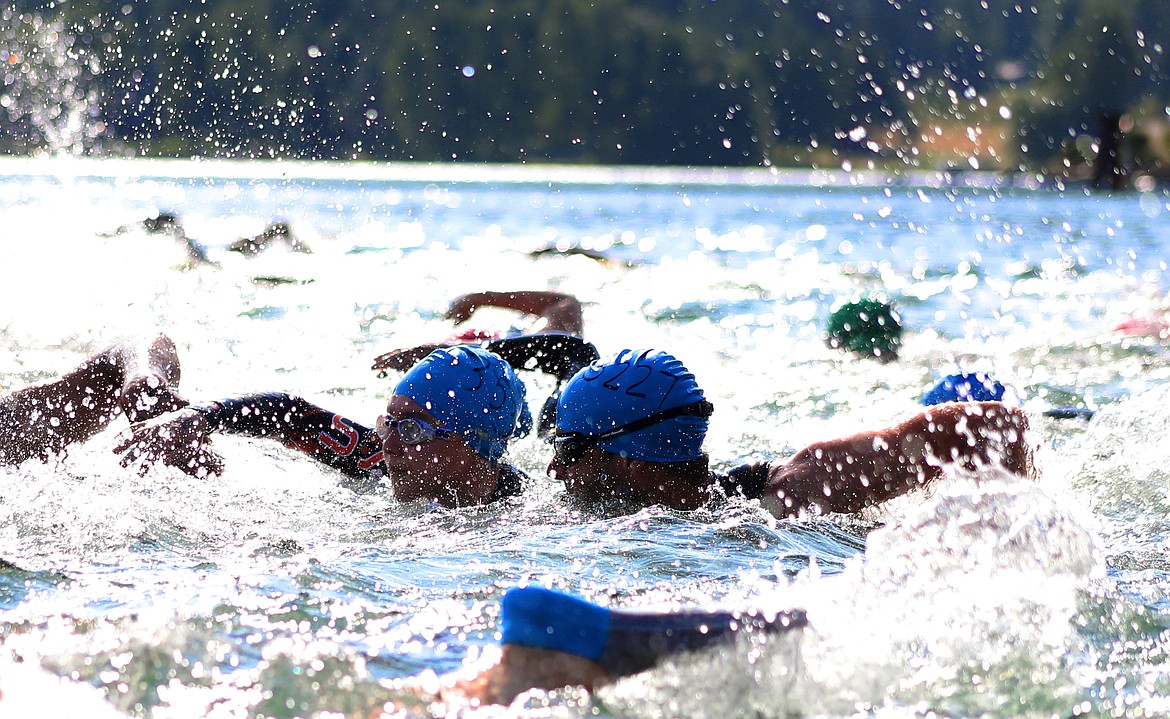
x,y
167,223
594,255
275,233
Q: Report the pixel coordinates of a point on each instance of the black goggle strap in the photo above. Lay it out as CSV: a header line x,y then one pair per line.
x,y
702,408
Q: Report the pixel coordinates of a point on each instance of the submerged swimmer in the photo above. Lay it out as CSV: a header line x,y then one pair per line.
x,y
631,428
167,223
138,379
550,312
278,233
551,640
867,328
442,439
551,343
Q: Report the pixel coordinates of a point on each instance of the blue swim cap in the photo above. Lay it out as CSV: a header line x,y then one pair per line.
x,y
473,392
965,387
632,385
541,618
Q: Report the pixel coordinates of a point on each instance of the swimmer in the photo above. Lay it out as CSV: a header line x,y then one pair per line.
x,y
167,223
867,328
630,429
551,344
1155,327
442,439
278,232
549,312
138,379
982,387
551,640
599,257
965,387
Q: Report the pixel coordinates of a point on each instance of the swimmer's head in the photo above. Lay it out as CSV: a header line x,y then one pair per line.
x,y
866,327
965,387
627,390
474,392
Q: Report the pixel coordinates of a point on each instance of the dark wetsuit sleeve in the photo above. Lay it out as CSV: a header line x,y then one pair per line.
x,y
329,438
747,480
510,483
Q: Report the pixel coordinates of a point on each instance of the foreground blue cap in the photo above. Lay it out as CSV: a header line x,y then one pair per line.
x,y
544,619
632,385
473,392
965,387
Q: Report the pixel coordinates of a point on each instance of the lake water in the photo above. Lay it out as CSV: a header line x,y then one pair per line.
x,y
273,591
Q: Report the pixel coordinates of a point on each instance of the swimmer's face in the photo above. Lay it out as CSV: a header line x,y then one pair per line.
x,y
597,476
432,468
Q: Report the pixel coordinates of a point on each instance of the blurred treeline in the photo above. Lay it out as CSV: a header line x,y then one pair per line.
x,y
1009,84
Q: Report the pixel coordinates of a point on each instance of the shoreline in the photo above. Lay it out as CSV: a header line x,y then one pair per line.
x,y
67,167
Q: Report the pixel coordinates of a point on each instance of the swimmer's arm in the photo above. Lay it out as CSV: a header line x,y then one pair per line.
x,y
561,312
852,473
522,668
299,424
137,378
181,439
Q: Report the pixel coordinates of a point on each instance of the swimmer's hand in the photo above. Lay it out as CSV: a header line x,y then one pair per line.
x,y
179,439
519,669
464,306
402,359
147,396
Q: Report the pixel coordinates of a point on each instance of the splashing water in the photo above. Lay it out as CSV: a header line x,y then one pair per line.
x,y
47,93
274,591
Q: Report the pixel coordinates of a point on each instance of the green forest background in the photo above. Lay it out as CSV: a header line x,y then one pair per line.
x,y
989,84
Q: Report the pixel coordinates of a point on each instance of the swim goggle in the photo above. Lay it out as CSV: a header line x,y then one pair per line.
x,y
410,430
570,447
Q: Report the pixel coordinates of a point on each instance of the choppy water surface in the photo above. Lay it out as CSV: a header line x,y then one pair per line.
x,y
273,591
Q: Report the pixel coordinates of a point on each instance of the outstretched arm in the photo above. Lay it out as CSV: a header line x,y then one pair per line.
x,y
181,439
138,378
561,312
850,474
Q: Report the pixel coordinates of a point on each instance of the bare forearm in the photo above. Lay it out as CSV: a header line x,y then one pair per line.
x,y
562,311
850,474
846,476
52,415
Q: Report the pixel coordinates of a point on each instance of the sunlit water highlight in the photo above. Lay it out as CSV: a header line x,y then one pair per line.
x,y
273,591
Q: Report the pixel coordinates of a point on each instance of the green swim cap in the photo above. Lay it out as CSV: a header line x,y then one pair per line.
x,y
866,327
